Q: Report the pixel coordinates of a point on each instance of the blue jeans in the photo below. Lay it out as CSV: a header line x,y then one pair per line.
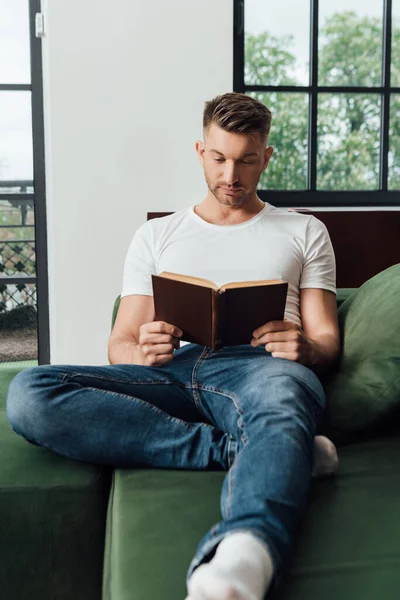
x,y
238,409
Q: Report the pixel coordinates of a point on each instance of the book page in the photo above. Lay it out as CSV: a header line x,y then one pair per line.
x,y
241,284
189,279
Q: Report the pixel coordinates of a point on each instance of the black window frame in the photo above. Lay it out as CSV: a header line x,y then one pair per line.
x,y
38,197
313,197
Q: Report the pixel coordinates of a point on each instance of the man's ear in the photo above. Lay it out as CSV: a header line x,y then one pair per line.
x,y
267,155
200,149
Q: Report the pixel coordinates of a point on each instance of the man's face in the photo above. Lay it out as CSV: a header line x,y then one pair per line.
x,y
233,164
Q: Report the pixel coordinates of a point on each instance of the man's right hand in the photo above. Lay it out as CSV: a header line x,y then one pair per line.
x,y
157,342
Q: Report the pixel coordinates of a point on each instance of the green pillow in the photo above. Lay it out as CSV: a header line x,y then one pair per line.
x,y
115,310
363,393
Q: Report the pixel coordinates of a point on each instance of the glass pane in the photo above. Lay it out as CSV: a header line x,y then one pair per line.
x,y
14,41
16,160
394,143
277,42
395,76
348,141
287,169
18,322
21,187
17,220
350,42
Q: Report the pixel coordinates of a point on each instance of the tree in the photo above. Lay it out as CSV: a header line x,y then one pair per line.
x,y
348,124
268,59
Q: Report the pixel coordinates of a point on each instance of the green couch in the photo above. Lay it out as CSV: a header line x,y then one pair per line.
x,y
72,531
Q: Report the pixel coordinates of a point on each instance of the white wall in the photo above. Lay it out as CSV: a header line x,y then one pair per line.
x,y
124,85
124,89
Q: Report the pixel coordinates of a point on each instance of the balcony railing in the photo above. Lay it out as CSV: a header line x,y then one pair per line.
x,y
17,256
16,189
17,274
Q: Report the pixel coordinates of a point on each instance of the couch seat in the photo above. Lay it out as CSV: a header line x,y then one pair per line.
x,y
348,546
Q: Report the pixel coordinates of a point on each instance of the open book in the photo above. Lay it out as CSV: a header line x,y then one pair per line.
x,y
213,316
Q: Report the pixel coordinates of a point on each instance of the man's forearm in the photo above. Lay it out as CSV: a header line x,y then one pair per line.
x,y
324,353
124,351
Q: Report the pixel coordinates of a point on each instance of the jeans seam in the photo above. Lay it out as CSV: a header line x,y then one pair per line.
x,y
66,376
244,438
195,385
63,376
232,451
236,402
231,479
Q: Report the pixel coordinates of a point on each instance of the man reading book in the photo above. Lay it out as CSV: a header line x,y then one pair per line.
x,y
252,409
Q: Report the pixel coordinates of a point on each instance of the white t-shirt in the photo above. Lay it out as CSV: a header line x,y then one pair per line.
x,y
275,244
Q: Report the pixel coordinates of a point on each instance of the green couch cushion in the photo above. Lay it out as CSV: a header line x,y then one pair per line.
x,y
349,542
342,294
115,310
52,514
363,394
348,546
155,518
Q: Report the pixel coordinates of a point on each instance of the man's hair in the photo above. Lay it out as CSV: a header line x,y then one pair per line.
x,y
238,113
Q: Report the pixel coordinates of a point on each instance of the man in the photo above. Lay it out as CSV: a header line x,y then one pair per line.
x,y
253,409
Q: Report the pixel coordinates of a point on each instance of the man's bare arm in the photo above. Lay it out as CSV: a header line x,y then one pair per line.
x,y
137,339
319,318
315,343
133,311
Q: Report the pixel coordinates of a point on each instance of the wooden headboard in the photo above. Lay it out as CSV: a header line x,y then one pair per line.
x,y
365,242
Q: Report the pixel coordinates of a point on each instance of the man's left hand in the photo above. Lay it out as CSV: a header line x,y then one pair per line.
x,y
284,339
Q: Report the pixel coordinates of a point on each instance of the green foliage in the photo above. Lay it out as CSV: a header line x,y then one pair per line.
x,y
21,317
288,166
350,50
267,60
348,124
394,154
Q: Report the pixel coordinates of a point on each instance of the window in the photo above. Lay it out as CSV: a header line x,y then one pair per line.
x,y
330,74
23,253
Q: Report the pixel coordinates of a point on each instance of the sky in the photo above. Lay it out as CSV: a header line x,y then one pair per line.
x,y
277,16
15,107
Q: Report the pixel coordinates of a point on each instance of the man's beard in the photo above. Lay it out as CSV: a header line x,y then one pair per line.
x,y
237,200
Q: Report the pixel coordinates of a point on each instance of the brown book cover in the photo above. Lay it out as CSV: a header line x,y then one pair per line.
x,y
213,316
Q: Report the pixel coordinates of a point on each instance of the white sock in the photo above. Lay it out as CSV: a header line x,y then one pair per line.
x,y
240,570
326,461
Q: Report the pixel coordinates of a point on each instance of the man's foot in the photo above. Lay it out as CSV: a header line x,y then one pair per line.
x,y
207,583
326,461
240,570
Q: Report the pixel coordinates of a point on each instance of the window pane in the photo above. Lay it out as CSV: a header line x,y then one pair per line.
x,y
18,322
17,220
287,169
348,141
12,187
16,161
350,42
394,143
395,75
277,41
14,41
